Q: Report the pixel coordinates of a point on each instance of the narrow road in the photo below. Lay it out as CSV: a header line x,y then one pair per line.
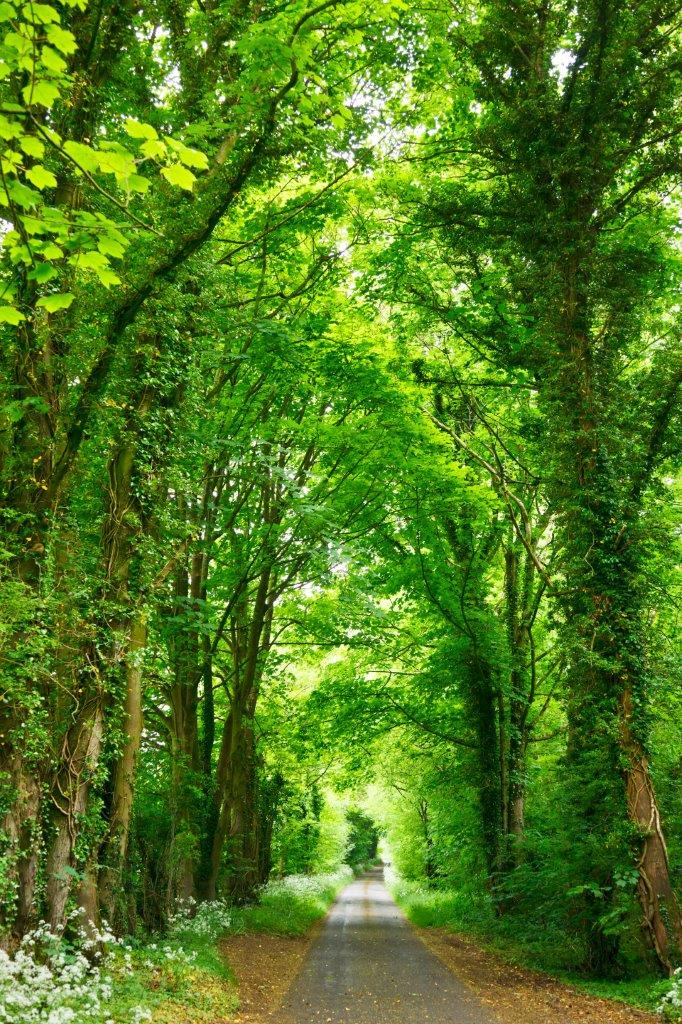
x,y
368,967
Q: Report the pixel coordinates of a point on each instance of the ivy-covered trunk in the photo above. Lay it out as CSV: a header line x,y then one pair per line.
x,y
519,576
114,848
608,679
21,827
79,761
608,708
30,608
184,727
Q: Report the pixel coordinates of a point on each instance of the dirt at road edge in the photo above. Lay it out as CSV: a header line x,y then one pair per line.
x,y
265,966
521,996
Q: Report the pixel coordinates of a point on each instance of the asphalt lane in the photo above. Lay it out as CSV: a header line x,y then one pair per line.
x,y
368,967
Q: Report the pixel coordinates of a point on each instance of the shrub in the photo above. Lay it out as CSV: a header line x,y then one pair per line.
x,y
671,1003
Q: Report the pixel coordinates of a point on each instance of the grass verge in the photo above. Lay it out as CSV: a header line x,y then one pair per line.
x,y
183,979
454,911
290,906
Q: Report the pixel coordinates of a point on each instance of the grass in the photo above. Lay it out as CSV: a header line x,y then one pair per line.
x,y
544,950
641,992
291,906
166,991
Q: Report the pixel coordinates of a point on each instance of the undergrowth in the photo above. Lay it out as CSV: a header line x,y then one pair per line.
x,y
179,977
549,949
289,906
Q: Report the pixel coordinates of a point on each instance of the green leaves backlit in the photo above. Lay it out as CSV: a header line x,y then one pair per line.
x,y
46,231
53,303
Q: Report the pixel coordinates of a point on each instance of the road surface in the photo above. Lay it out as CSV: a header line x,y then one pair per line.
x,y
368,967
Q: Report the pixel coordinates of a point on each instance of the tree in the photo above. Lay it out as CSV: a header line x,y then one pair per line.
x,y
543,205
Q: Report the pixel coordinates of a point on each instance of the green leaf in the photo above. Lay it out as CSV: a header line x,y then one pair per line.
x,y
83,155
154,149
194,158
110,247
52,135
136,183
23,196
20,43
10,315
41,13
42,272
8,130
108,277
89,260
7,12
61,38
22,254
178,175
53,303
189,157
33,225
52,61
111,229
41,177
44,93
10,161
118,162
98,263
32,146
139,130
50,251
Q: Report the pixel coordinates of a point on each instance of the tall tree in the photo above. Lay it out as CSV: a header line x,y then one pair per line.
x,y
543,196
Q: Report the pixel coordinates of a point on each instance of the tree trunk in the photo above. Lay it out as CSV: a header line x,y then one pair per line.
x,y
518,595
21,826
660,907
607,683
79,762
483,703
269,799
236,798
185,753
115,846
429,862
244,826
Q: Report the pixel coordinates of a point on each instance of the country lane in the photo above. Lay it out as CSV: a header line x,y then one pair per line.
x,y
368,967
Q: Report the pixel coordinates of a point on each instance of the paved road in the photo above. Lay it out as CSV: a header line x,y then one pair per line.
x,y
368,967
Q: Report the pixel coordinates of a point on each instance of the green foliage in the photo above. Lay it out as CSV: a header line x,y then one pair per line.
x,y
291,905
363,839
339,432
